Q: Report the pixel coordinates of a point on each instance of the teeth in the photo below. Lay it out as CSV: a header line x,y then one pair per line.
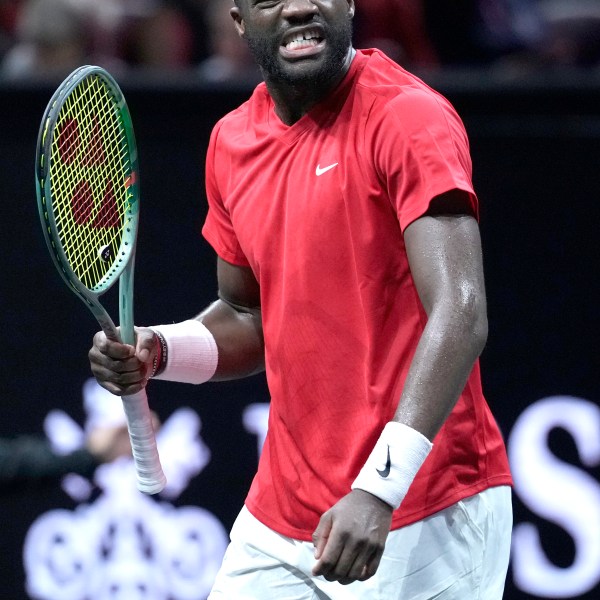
x,y
301,44
302,40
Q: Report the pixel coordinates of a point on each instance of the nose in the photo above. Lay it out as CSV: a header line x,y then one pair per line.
x,y
299,9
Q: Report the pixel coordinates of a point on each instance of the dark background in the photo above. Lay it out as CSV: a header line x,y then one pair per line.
x,y
535,147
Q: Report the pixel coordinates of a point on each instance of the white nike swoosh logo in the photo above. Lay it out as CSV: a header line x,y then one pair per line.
x,y
320,171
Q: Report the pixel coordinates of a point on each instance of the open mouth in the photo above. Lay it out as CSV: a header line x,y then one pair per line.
x,y
303,43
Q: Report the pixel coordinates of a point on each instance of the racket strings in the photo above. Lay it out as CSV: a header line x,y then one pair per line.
x,y
90,172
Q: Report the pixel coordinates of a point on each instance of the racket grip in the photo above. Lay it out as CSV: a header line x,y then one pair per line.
x,y
150,476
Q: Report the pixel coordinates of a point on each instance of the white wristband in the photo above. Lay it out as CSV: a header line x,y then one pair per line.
x,y
393,463
192,354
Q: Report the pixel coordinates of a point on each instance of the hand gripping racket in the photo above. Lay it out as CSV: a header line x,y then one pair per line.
x,y
88,198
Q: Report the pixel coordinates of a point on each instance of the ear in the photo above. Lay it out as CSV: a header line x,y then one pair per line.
x,y
236,15
351,8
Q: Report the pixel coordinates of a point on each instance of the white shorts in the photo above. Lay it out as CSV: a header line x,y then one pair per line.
x,y
460,553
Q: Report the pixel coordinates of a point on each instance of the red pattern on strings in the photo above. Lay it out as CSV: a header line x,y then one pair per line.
x,y
108,215
69,141
82,202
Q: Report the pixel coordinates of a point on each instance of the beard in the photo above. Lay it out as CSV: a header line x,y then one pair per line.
x,y
266,54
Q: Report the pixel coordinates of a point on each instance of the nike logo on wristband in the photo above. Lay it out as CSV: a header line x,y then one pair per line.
x,y
383,473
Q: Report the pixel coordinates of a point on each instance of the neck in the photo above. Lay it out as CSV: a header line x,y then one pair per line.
x,y
292,102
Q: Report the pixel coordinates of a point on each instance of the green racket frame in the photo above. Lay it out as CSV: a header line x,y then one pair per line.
x,y
149,472
124,264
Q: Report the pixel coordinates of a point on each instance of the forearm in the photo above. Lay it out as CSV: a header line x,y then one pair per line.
x,y
452,340
445,259
449,345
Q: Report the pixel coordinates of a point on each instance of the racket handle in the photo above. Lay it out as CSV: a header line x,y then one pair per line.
x,y
150,476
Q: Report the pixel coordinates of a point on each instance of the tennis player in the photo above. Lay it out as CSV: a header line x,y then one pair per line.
x,y
343,215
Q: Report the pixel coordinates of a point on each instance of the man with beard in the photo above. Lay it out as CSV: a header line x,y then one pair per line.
x,y
349,267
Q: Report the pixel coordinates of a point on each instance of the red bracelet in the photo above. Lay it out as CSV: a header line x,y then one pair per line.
x,y
160,358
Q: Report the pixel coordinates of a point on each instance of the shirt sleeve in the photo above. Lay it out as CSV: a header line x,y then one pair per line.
x,y
218,228
422,151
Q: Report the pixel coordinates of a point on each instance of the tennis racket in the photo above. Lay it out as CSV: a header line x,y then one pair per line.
x,y
87,187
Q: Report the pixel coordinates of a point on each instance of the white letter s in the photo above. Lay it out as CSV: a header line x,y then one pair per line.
x,y
558,492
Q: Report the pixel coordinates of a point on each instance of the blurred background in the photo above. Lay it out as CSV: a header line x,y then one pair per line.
x,y
47,38
525,77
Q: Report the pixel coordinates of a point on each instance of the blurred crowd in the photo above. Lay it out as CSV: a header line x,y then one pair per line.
x,y
47,38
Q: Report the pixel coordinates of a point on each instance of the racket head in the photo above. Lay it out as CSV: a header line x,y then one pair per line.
x,y
87,182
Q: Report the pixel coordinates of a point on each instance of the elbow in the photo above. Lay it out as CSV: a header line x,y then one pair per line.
x,y
479,333
459,320
474,311
472,322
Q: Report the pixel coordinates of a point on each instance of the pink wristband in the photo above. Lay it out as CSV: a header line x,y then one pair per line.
x,y
190,354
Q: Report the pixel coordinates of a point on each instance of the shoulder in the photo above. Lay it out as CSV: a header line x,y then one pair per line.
x,y
399,96
240,121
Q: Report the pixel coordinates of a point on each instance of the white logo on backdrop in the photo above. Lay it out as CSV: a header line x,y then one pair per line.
x,y
124,545
559,492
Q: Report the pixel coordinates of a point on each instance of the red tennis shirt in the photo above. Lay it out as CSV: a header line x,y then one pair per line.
x,y
317,210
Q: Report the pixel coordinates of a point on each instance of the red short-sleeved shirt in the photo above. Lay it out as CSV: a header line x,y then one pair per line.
x,y
317,210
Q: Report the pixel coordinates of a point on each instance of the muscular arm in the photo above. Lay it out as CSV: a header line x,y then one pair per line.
x,y
236,324
444,253
234,321
445,258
